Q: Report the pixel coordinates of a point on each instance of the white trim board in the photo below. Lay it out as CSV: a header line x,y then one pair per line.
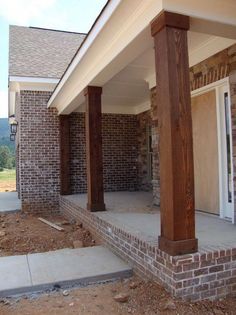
x,y
220,87
33,79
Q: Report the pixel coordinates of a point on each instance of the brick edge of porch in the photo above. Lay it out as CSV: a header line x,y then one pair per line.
x,y
208,274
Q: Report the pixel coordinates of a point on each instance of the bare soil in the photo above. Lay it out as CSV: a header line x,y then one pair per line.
x,y
22,234
9,185
142,299
26,234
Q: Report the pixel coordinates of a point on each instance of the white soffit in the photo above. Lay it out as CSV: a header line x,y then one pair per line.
x,y
119,45
116,46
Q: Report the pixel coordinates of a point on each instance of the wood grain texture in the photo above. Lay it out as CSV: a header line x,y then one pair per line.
x,y
65,185
170,19
93,123
176,147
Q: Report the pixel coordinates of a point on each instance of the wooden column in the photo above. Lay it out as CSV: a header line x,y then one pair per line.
x,y
65,188
175,124
93,121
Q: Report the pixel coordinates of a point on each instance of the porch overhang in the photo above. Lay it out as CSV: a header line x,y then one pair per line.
x,y
19,83
111,46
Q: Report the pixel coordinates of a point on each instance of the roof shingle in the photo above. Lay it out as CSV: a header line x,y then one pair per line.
x,y
35,52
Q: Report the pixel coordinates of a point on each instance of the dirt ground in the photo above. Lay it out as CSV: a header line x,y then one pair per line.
x,y
9,185
142,299
21,234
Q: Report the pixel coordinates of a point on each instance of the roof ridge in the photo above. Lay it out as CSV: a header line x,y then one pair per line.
x,y
54,30
49,29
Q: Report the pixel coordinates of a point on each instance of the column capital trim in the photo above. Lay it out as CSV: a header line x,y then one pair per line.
x,y
92,90
170,19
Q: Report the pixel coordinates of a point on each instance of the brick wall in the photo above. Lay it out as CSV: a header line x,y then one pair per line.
x,y
209,273
38,153
77,153
119,134
144,179
17,144
210,70
155,148
217,67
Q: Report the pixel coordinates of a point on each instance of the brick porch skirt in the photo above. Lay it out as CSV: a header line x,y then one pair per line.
x,y
207,274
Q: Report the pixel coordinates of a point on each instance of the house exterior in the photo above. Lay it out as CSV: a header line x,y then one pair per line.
x,y
146,104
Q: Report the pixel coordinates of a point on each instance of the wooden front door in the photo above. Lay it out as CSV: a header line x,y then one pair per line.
x,y
205,149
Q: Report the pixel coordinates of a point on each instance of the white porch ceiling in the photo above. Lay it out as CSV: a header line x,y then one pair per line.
x,y
118,53
128,91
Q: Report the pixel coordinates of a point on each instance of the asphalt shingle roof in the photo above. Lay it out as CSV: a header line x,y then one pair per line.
x,y
36,52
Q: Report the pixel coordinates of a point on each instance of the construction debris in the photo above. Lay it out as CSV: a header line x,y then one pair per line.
x,y
121,297
59,228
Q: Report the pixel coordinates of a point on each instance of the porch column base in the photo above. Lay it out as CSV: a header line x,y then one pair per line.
x,y
93,207
175,248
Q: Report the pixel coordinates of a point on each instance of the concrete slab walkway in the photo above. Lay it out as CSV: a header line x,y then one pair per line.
x,y
66,267
9,202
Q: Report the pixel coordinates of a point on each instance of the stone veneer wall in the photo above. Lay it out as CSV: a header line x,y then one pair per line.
x,y
39,153
119,134
209,273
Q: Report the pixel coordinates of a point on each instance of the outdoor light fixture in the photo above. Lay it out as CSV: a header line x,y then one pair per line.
x,y
12,137
13,123
14,128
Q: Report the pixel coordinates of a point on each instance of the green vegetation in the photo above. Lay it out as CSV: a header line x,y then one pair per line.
x,y
7,158
7,147
5,134
7,175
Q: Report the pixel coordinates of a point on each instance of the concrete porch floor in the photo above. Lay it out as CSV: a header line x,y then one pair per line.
x,y
133,212
9,202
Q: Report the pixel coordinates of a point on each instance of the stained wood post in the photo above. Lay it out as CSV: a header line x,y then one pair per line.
x,y
65,186
175,124
93,122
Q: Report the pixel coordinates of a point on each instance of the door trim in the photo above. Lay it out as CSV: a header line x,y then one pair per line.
x,y
220,87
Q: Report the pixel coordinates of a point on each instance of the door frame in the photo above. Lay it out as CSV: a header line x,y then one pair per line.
x,y
220,88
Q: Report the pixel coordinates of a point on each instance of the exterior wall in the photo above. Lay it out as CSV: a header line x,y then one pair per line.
x,y
77,153
217,67
39,153
144,120
119,134
17,152
17,144
232,80
155,148
209,273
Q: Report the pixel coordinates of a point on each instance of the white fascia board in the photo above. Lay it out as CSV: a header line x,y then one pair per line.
x,y
33,79
33,83
117,44
106,15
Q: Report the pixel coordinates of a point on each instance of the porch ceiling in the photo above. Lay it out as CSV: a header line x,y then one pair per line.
x,y
124,66
128,91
